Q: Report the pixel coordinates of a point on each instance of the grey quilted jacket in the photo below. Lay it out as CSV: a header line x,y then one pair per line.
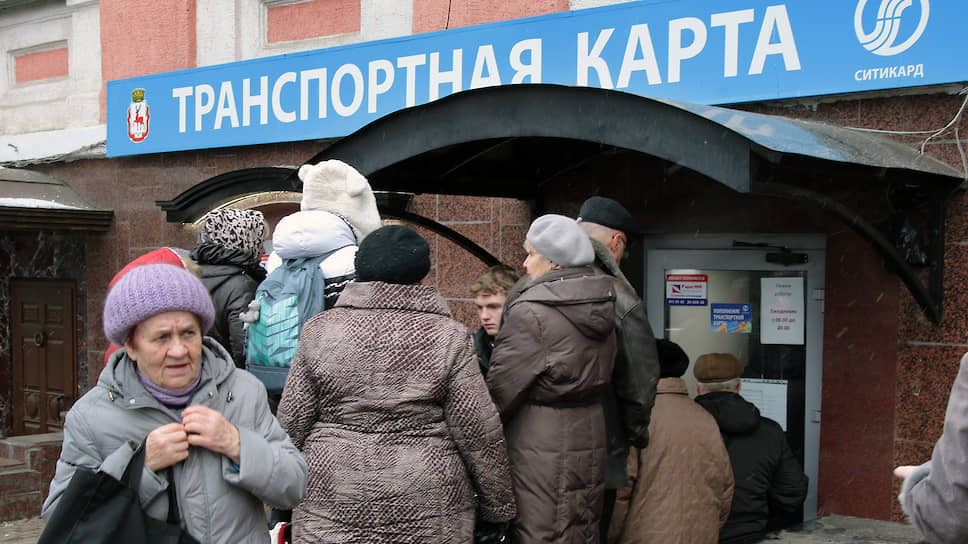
x,y
217,502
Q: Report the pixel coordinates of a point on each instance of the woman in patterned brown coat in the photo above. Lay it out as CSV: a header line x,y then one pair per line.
x,y
385,400
552,358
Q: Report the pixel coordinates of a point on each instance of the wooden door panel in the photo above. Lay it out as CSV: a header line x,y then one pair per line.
x,y
45,356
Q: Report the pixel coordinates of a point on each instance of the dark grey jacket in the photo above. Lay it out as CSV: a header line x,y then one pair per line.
x,y
218,503
231,277
628,401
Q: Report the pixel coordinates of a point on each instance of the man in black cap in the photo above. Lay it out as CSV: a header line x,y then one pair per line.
x,y
628,401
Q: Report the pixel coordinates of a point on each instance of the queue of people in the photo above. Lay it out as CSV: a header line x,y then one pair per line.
x,y
558,421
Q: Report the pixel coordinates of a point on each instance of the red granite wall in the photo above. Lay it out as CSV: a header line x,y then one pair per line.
x,y
887,370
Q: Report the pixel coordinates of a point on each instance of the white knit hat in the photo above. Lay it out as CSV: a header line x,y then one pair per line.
x,y
337,187
561,240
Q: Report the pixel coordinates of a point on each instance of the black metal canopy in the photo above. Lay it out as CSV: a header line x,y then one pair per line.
x,y
513,141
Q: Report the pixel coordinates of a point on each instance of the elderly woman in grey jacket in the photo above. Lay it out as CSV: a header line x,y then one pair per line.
x,y
203,421
935,494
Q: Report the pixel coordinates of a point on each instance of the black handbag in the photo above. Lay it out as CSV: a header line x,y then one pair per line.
x,y
486,532
96,508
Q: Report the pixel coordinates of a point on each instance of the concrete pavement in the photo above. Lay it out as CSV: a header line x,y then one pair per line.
x,y
827,530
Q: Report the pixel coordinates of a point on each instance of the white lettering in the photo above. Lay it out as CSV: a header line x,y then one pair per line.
x,y
592,60
438,78
485,61
410,64
678,53
522,70
375,86
204,102
919,70
639,40
277,111
305,76
261,100
181,93
226,106
354,72
731,21
776,18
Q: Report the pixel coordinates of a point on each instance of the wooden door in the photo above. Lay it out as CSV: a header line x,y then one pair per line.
x,y
44,354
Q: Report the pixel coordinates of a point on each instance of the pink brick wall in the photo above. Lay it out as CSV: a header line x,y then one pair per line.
x,y
430,15
144,37
312,19
41,65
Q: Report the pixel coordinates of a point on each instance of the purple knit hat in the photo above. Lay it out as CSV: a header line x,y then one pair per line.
x,y
150,290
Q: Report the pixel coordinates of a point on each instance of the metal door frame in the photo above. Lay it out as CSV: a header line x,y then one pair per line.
x,y
716,251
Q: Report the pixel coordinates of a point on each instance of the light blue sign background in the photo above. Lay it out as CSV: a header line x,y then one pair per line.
x,y
731,315
831,59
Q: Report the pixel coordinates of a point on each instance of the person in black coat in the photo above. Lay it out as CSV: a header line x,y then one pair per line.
x,y
490,291
229,254
769,480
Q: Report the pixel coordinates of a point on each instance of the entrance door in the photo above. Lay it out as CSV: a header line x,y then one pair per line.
x,y
44,354
730,294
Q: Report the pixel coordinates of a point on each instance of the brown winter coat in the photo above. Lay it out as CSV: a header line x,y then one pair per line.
x,y
551,361
682,484
385,400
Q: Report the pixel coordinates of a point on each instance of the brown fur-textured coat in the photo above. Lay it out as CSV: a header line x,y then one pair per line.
x,y
551,361
385,400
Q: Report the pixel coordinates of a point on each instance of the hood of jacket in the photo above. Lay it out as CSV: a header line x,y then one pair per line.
x,y
119,377
310,233
218,260
733,413
582,297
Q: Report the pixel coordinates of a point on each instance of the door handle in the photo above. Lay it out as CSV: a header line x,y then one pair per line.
x,y
40,339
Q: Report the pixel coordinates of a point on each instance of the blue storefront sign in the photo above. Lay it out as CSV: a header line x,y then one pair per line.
x,y
720,52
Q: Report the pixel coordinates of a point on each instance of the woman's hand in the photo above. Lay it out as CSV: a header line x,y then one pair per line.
x,y
902,473
166,446
209,429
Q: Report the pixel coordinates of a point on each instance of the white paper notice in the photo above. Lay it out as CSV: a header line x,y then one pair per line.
x,y
781,317
770,396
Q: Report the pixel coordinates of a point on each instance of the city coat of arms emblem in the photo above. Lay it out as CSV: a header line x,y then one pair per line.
x,y
138,116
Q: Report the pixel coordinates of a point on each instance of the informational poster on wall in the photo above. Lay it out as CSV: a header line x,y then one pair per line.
x,y
731,318
686,289
782,315
770,396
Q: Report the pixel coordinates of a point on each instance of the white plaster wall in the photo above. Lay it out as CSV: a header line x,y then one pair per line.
x,y
233,30
57,103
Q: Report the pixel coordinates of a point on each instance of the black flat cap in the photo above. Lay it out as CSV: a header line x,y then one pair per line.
x,y
608,212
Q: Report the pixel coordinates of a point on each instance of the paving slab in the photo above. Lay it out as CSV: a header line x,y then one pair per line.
x,y
827,530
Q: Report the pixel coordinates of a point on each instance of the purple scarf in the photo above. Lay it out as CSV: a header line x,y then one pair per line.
x,y
169,398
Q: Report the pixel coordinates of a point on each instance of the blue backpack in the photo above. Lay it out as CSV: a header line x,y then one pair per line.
x,y
288,297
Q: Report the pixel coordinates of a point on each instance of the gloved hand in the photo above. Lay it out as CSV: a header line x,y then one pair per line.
x,y
251,315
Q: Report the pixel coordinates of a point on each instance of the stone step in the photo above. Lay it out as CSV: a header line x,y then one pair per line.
x,y
7,463
27,465
21,493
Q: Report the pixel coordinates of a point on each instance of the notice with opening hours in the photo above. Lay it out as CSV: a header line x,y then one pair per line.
x,y
782,315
